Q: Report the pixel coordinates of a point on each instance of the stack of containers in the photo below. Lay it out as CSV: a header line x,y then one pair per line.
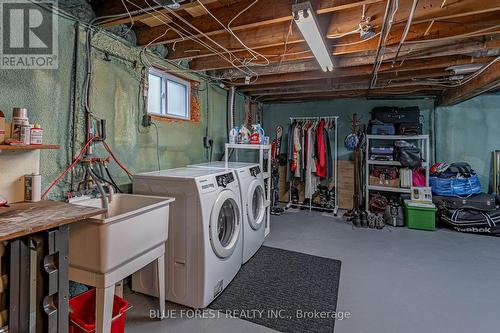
x,y
22,132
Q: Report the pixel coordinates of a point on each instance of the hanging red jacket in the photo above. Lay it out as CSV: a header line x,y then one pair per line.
x,y
320,143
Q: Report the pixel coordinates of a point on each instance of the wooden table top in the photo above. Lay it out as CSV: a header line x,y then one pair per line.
x,y
22,219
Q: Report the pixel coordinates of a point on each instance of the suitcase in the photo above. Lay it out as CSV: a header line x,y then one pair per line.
x,y
381,157
382,129
396,115
409,129
482,201
382,150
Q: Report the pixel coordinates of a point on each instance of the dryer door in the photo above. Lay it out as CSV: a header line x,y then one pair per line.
x,y
225,224
256,209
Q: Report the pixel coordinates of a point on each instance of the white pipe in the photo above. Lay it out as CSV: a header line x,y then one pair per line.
x,y
405,32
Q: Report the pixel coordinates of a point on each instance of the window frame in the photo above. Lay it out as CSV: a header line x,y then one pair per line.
x,y
165,77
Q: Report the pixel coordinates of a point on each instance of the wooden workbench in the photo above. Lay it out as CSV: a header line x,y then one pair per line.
x,y
23,219
38,238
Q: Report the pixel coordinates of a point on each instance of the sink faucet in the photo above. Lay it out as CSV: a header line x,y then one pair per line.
x,y
111,192
100,189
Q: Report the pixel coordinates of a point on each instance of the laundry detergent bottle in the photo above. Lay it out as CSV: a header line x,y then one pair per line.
x,y
244,135
233,135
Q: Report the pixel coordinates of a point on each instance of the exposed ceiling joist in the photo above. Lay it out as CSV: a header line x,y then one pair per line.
x,y
340,62
411,65
262,13
442,34
393,77
275,35
468,46
382,93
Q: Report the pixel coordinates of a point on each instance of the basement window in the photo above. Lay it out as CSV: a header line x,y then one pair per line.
x,y
168,95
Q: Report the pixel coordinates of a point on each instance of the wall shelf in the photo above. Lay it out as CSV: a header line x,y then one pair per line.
x,y
28,147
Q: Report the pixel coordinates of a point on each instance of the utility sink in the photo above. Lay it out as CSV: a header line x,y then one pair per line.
x,y
135,225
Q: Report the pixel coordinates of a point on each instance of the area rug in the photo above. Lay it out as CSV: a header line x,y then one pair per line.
x,y
284,290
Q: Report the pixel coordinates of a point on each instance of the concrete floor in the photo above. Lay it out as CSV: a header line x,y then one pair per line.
x,y
394,280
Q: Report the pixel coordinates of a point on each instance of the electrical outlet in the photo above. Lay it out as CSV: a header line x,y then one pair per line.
x,y
146,120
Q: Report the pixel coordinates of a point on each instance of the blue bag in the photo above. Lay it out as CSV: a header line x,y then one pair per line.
x,y
457,180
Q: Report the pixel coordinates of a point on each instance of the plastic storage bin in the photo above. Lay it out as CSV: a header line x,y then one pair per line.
x,y
421,218
82,317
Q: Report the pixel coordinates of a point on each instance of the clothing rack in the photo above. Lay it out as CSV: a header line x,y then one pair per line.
x,y
335,160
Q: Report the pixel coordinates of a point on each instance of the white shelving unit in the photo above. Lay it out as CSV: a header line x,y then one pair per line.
x,y
264,151
421,141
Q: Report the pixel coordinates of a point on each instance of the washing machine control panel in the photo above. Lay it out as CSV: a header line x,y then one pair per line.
x,y
225,179
254,171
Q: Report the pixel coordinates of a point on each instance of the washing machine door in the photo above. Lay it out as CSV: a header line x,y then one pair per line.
x,y
225,224
256,206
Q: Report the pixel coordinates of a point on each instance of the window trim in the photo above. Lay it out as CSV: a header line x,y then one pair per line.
x,y
165,77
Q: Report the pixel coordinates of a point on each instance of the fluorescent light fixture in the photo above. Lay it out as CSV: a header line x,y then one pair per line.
x,y
305,18
465,69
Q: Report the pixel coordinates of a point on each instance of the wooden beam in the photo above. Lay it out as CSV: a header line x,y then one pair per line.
x,y
410,65
311,65
426,12
383,77
484,82
147,9
260,14
338,87
301,52
276,35
420,92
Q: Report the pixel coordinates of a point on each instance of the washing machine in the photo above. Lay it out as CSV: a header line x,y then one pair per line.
x,y
253,202
204,246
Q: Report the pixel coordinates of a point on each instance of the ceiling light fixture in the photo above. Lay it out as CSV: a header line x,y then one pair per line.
x,y
366,30
172,4
305,18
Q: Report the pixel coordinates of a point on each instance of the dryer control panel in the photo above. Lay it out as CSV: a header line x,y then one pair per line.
x,y
225,179
254,171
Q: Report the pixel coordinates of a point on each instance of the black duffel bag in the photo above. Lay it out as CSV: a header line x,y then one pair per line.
x,y
471,221
409,157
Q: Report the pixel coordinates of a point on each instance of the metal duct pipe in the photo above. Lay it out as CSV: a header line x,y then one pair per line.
x,y
232,94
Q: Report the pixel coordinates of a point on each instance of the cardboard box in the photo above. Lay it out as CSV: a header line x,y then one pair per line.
x,y
2,128
375,181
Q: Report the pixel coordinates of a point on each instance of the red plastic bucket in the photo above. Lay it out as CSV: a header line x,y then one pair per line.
x,y
82,316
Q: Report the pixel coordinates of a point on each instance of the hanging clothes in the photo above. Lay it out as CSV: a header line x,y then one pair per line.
x,y
311,179
295,166
309,153
289,151
321,150
329,160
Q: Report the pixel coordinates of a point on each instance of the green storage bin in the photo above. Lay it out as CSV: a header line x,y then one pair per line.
x,y
420,218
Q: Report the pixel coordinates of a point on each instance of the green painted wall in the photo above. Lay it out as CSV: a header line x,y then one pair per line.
x,y
469,132
279,114
115,97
